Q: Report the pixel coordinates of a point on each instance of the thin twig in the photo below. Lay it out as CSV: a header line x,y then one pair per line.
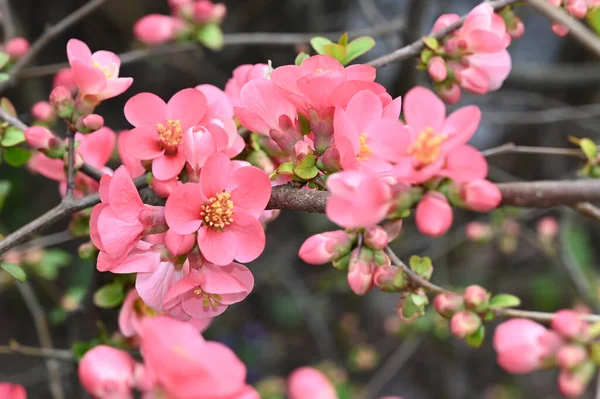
x,y
49,34
44,335
230,39
544,116
512,148
415,48
13,120
70,166
576,28
59,354
8,21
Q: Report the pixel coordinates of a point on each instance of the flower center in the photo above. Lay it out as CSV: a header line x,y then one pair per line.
x,y
364,152
427,147
170,135
209,300
217,212
142,309
108,71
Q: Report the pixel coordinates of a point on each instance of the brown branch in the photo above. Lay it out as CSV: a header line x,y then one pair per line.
x,y
415,48
60,354
512,148
49,34
8,21
70,166
576,28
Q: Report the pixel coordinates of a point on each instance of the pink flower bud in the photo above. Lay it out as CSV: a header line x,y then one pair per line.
x,y
480,195
203,11
446,304
474,80
331,160
17,47
478,232
40,138
389,278
570,356
155,29
179,244
517,30
464,323
106,372
547,228
219,13
12,391
450,93
43,111
577,8
433,215
571,385
64,77
438,71
560,30
476,298
568,324
307,382
89,123
164,188
325,247
361,270
376,237
62,101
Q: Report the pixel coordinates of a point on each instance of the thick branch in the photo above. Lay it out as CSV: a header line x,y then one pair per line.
x,y
415,48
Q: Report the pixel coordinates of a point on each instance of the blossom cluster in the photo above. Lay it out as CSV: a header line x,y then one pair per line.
x,y
576,8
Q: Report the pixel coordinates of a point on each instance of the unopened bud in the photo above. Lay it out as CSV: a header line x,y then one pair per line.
x,y
517,30
87,251
389,278
447,304
478,231
464,323
560,30
218,13
450,93
85,105
17,47
568,324
476,298
577,8
322,128
325,247
376,237
570,356
43,111
62,101
330,160
437,69
360,271
89,123
480,195
574,383
41,138
547,228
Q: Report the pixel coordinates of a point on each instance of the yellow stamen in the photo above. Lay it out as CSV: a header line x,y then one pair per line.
x,y
427,147
365,151
104,69
209,300
217,212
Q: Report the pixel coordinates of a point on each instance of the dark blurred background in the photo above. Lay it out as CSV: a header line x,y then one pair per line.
x,y
300,314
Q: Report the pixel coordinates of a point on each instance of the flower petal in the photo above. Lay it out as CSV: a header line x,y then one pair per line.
x,y
143,143
188,106
250,236
79,51
218,247
215,175
145,109
423,109
167,167
250,189
183,207
88,79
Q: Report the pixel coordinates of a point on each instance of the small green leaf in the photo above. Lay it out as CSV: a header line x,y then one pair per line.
x,y
211,36
343,39
109,296
301,58
8,106
358,47
4,58
319,42
422,266
12,136
286,168
306,168
409,309
593,19
419,300
5,187
304,124
4,77
336,51
16,156
504,301
431,42
15,271
426,56
476,339
589,148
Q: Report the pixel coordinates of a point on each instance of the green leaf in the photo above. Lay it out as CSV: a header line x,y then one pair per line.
x,y
336,51
4,58
504,301
12,136
358,47
426,56
211,36
306,168
5,187
476,339
286,168
431,42
409,309
16,156
422,266
593,19
301,58
15,271
109,296
4,77
8,106
343,39
419,300
318,43
589,148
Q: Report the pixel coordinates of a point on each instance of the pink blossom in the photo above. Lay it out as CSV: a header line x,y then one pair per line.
x,y
155,29
433,215
97,74
307,382
224,208
464,323
369,135
480,195
522,345
325,247
360,271
106,372
133,165
159,128
376,238
478,232
571,385
560,30
450,93
17,47
40,138
188,367
577,8
208,290
547,227
12,391
242,75
357,199
570,356
64,78
43,111
438,142
199,143
205,11
447,303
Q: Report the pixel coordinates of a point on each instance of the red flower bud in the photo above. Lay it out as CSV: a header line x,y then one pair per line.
x,y
476,298
433,215
480,195
376,237
447,304
62,101
41,138
361,270
464,323
89,123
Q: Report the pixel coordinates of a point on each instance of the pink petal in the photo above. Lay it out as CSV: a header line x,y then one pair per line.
x,y
464,163
361,72
218,103
388,139
97,148
345,126
153,287
115,87
118,236
125,200
89,80
393,109
423,109
444,21
250,189
143,143
188,283
96,240
218,247
194,306
215,175
250,236
252,121
139,260
183,207
188,106
481,41
496,66
179,244
145,109
343,93
219,281
461,125
322,62
107,58
79,51
244,276
104,188
51,168
363,108
318,87
167,167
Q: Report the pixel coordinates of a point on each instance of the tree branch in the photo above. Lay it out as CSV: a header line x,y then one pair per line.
x,y
70,166
8,21
415,48
61,354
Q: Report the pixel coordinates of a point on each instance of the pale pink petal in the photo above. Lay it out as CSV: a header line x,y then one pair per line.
x,y
250,189
97,148
250,236
51,168
322,63
423,109
79,51
393,109
125,200
215,175
167,167
195,306
142,259
464,163
388,139
115,87
496,66
145,109
263,98
183,207
179,244
96,240
218,103
89,80
143,143
188,106
242,274
363,108
218,247
482,41
188,283
107,58
104,189
361,72
153,287
118,236
252,121
461,125
444,21
218,280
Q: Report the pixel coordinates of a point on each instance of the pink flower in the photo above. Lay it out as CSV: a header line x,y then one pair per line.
x,y
357,199
560,30
12,391
205,12
97,74
568,324
522,345
570,356
369,135
224,208
40,138
207,291
572,385
481,195
360,271
155,29
199,143
164,188
106,372
577,8
307,382
133,165
433,215
242,75
159,128
43,111
547,227
325,247
438,143
188,367
17,47
64,78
